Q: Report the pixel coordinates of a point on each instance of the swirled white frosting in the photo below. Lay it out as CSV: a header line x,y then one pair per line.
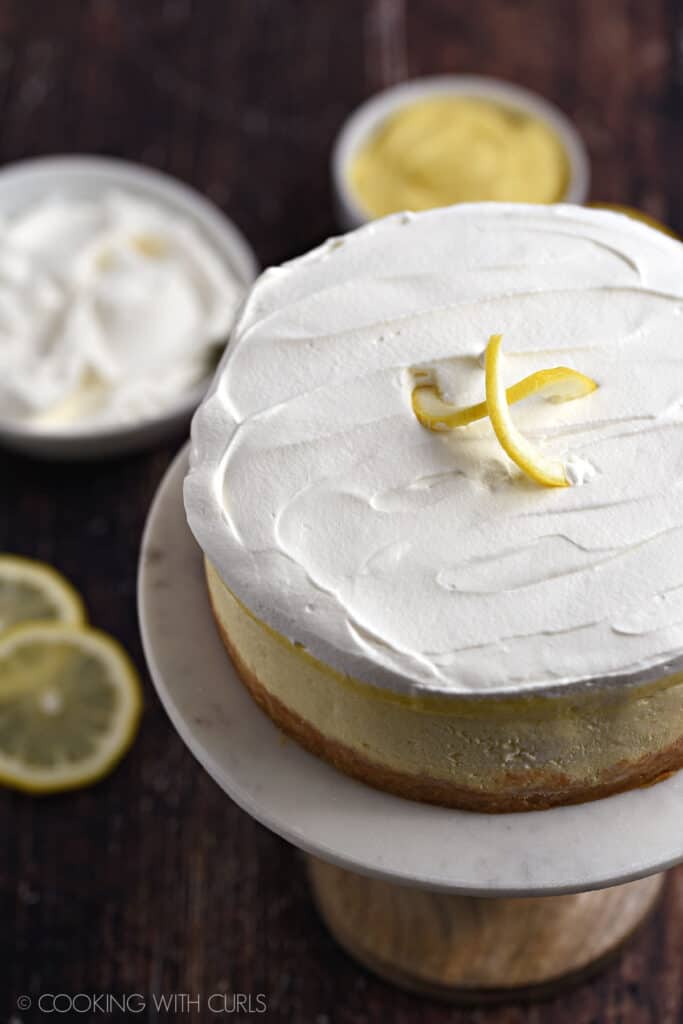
x,y
417,560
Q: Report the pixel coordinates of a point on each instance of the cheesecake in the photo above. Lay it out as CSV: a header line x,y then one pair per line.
x,y
407,603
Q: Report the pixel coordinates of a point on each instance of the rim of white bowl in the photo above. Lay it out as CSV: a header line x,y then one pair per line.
x,y
366,118
83,175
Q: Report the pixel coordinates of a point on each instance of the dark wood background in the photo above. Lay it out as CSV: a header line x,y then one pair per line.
x,y
153,882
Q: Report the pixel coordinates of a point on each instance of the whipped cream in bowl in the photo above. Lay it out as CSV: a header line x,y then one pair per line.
x,y
118,291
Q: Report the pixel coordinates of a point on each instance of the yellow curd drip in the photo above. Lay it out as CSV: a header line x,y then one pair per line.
x,y
450,149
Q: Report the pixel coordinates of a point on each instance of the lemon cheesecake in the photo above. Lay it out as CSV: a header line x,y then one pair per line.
x,y
479,611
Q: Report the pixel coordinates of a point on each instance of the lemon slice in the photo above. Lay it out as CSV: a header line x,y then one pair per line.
x,y
70,702
559,384
31,591
543,469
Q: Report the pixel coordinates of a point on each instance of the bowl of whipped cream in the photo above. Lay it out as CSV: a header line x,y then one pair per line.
x,y
118,289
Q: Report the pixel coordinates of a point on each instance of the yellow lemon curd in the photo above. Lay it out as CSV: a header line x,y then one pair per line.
x,y
448,149
636,214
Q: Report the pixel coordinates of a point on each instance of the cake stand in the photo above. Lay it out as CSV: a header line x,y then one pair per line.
x,y
450,903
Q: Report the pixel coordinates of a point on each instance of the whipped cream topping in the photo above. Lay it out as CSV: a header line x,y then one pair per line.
x,y
426,561
111,311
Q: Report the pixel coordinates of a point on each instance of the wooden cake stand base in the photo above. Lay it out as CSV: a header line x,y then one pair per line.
x,y
474,948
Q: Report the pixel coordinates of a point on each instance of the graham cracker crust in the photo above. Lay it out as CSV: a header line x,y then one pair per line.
x,y
534,791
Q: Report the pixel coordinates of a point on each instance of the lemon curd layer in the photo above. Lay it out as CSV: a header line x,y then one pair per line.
x,y
353,547
450,149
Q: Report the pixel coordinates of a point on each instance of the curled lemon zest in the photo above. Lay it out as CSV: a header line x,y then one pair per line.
x,y
559,384
543,469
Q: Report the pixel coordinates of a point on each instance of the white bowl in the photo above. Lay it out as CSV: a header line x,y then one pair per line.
x,y
86,177
367,118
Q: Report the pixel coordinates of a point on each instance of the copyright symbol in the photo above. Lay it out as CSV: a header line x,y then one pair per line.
x,y
24,1003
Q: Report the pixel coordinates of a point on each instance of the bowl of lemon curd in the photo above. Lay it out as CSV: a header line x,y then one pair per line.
x,y
455,138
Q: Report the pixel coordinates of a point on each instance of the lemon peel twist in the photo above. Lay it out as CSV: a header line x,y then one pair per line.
x,y
559,384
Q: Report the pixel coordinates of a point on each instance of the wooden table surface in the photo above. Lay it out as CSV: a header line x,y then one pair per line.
x,y
153,882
